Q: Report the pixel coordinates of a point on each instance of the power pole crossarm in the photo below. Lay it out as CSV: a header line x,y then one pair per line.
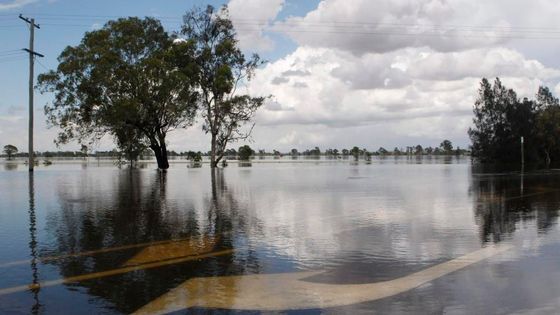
x,y
32,54
29,21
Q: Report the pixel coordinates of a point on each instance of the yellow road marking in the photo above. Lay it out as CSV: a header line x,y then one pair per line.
x,y
172,250
92,252
289,291
131,246
125,247
113,272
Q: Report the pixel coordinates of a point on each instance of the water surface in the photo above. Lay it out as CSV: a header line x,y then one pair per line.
x,y
125,238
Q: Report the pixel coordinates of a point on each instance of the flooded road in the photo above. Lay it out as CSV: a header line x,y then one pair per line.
x,y
402,236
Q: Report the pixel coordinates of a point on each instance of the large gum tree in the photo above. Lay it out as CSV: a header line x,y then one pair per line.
x,y
223,70
128,78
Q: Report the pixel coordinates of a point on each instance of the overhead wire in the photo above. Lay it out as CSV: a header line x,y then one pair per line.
x,y
332,23
19,58
41,64
22,53
346,28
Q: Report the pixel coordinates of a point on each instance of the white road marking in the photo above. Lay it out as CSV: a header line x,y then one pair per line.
x,y
288,291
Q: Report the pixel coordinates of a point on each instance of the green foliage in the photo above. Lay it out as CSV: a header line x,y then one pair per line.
x,y
10,150
194,156
131,144
245,152
501,120
315,151
223,69
548,125
446,146
125,79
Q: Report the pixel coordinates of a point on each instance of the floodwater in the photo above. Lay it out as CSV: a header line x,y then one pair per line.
x,y
402,236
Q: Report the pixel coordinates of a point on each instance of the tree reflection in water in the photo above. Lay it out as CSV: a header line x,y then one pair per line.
x,y
10,166
133,213
502,201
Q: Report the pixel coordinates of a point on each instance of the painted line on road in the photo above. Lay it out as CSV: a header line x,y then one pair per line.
x,y
290,291
132,246
113,272
91,252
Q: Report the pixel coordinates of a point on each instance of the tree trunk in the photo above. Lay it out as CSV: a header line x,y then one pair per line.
x,y
161,156
213,162
547,158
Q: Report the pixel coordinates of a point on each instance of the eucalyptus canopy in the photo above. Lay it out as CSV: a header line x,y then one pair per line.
x,y
129,80
223,69
10,150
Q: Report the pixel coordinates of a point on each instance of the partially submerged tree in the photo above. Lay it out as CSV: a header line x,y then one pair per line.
x,y
84,151
502,120
131,144
356,152
446,146
245,152
223,69
128,80
10,150
548,124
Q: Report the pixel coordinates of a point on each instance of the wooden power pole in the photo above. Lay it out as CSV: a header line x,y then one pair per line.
x,y
32,55
522,155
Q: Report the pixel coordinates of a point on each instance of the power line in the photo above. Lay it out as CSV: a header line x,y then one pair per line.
x,y
421,33
11,54
42,65
11,50
301,23
22,54
13,60
297,23
432,31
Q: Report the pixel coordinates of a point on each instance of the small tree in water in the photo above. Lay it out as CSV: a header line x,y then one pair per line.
x,y
223,69
10,150
125,78
245,152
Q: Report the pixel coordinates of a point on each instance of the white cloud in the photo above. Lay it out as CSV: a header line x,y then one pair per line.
x,y
378,73
251,18
362,26
386,25
412,94
15,4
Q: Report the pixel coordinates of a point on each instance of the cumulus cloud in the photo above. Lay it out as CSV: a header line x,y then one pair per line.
x,y
380,72
15,4
251,19
412,92
386,25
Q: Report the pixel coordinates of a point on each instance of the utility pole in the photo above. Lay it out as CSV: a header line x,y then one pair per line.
x,y
32,55
522,155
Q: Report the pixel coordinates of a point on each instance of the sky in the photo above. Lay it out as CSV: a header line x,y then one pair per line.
x,y
342,73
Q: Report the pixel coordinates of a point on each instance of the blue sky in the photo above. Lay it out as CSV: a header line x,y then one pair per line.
x,y
59,31
342,72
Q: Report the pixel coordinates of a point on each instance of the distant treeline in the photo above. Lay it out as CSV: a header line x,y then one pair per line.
x,y
445,148
507,129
